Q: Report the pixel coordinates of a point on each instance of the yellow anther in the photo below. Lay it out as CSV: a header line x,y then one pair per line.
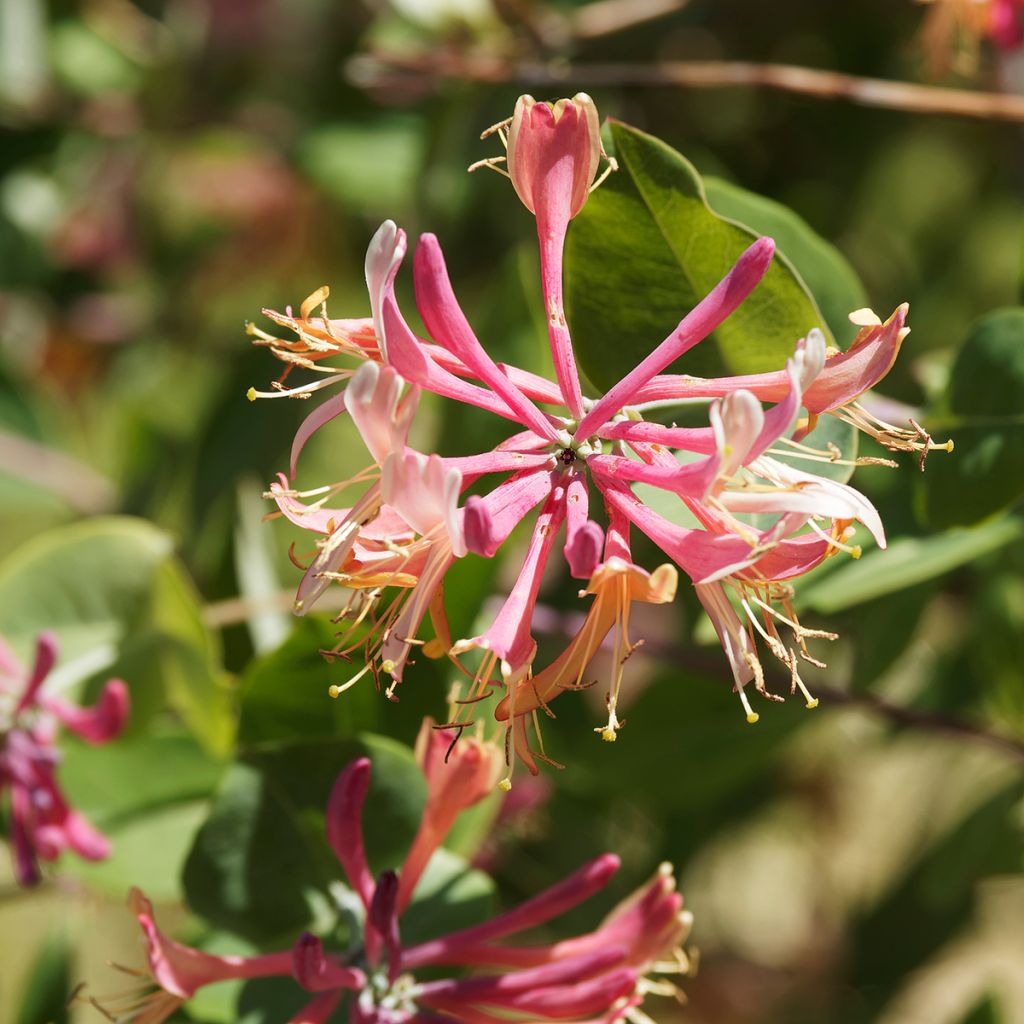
x,y
505,785
811,704
753,717
251,394
609,735
333,690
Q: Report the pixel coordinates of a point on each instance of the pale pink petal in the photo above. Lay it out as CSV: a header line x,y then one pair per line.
x,y
376,406
384,256
323,413
425,493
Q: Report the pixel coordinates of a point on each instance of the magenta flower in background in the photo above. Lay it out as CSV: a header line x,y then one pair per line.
x,y
566,451
42,823
600,976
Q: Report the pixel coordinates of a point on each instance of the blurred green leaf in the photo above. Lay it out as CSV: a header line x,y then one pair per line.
x,y
825,270
284,694
373,167
120,604
646,248
261,858
907,561
45,994
983,410
148,795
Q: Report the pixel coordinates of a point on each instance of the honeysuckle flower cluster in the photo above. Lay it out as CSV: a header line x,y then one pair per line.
x,y
41,821
575,459
601,976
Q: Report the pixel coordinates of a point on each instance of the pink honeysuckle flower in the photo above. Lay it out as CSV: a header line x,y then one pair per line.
x,y
42,823
576,460
174,972
597,976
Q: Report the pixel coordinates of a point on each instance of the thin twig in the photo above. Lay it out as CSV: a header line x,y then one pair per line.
x,y
549,622
708,664
379,68
607,17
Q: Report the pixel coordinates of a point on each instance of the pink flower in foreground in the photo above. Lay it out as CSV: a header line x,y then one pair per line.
x,y
596,977
42,823
566,451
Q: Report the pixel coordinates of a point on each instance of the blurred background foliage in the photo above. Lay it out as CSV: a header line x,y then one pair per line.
x,y
170,167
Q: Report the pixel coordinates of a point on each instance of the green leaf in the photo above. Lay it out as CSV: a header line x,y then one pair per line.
x,y
905,562
284,694
85,582
261,864
646,248
983,410
120,604
45,994
826,271
149,796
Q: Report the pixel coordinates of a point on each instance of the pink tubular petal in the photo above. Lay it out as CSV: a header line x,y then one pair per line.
x,y
316,972
548,904
495,989
473,466
182,971
345,826
445,320
100,723
26,864
509,635
488,521
698,553
708,314
319,1009
564,1002
326,411
844,377
374,394
46,658
693,480
584,539
690,439
406,353
382,924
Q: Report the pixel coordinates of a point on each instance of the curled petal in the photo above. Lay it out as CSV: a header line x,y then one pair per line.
x,y
345,826
100,723
425,493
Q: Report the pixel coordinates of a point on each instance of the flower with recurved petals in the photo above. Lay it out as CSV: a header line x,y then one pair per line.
x,y
565,451
42,822
601,975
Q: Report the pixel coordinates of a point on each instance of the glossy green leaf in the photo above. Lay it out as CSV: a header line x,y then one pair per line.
x,y
149,796
824,269
983,411
85,582
905,562
261,864
646,248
